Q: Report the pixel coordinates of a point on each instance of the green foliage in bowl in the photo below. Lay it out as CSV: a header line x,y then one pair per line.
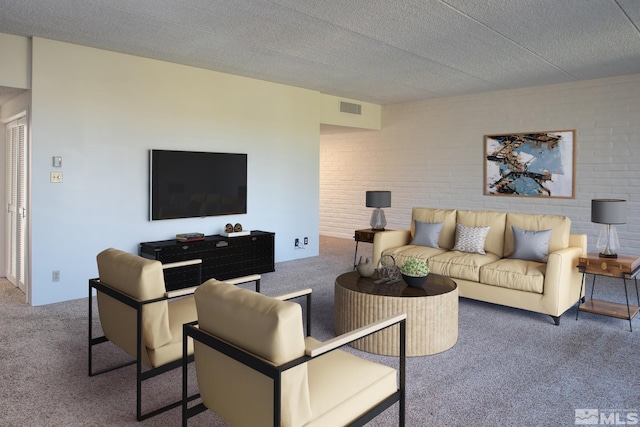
x,y
415,267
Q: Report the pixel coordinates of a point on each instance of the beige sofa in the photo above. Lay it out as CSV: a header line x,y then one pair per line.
x,y
550,285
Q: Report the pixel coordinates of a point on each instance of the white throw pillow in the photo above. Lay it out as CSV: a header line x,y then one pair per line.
x,y
531,245
427,234
470,239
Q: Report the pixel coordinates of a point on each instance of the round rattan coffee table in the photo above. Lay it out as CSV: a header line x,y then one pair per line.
x,y
432,313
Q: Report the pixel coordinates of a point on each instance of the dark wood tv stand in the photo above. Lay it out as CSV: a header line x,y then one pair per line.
x,y
222,257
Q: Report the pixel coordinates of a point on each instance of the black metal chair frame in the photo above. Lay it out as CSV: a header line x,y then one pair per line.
x,y
141,375
275,372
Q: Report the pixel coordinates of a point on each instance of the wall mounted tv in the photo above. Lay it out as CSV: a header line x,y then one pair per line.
x,y
189,184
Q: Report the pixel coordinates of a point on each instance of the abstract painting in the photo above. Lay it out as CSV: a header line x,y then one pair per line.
x,y
536,164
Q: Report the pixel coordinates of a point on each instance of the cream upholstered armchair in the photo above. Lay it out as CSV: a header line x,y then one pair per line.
x,y
255,367
138,315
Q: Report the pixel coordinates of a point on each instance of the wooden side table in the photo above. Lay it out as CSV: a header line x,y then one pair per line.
x,y
366,235
623,267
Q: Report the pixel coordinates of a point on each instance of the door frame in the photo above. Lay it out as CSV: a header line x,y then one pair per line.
x,y
26,255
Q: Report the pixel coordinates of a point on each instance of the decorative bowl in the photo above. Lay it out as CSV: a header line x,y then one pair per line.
x,y
415,281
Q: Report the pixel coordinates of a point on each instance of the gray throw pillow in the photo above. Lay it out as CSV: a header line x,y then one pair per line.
x,y
470,239
427,234
531,245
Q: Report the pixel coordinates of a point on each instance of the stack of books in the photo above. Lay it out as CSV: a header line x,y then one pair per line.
x,y
189,237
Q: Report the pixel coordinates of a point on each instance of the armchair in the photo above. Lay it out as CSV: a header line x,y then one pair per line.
x,y
138,315
254,365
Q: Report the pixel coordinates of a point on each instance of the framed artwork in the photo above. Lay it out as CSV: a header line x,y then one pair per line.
x,y
533,164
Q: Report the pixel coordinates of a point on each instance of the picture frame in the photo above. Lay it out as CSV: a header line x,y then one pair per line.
x,y
530,164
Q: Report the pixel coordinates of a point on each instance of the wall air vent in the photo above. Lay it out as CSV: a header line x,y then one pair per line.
x,y
348,107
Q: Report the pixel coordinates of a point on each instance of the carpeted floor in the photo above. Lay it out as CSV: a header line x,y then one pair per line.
x,y
508,368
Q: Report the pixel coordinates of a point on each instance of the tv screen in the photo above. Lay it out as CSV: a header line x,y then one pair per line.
x,y
187,184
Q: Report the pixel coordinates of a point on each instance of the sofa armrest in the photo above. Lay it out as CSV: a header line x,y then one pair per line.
x,y
389,239
563,280
181,263
180,292
294,294
356,334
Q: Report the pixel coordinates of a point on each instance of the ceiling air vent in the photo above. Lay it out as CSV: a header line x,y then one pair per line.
x,y
348,107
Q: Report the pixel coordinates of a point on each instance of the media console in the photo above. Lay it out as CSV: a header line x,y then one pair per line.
x,y
222,257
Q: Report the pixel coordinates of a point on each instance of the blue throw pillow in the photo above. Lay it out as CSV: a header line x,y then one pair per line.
x,y
427,234
531,245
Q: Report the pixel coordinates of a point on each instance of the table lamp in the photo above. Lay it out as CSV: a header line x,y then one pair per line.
x,y
608,212
378,200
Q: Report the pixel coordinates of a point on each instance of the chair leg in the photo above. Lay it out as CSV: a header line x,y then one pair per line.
x,y
95,341
188,412
145,375
90,330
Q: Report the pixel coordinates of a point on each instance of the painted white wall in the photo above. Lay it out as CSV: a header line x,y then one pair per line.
x,y
430,153
102,111
14,63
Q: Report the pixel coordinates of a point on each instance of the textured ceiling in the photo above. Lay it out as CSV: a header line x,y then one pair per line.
x,y
371,50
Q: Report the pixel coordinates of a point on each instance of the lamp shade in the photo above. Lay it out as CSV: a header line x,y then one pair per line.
x,y
378,199
609,211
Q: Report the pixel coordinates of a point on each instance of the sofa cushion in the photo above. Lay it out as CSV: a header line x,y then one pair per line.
x,y
460,265
561,226
403,253
496,220
470,239
517,274
427,234
268,328
531,245
446,216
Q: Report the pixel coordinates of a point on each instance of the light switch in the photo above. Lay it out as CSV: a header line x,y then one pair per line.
x,y
57,161
56,176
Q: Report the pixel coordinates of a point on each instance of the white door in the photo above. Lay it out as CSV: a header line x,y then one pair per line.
x,y
16,202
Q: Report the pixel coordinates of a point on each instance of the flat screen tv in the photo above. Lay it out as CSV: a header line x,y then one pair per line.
x,y
188,184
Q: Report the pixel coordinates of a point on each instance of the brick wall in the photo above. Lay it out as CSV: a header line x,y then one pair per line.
x,y
430,153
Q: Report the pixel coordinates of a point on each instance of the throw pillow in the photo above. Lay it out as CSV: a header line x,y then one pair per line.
x,y
427,234
470,239
531,245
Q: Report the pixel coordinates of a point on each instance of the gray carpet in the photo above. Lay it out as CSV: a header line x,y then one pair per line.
x,y
508,368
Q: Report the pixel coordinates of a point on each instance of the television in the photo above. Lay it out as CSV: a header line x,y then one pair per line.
x,y
191,184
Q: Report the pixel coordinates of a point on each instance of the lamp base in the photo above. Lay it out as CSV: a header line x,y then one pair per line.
x,y
608,242
378,220
602,255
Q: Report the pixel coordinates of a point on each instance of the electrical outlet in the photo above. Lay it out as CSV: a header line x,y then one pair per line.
x,y
55,276
306,240
56,177
297,243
